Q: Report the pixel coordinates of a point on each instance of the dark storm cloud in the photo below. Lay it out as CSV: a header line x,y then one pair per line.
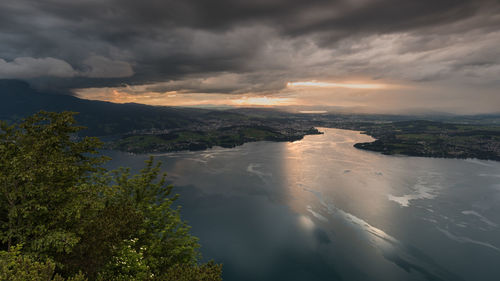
x,y
291,16
73,44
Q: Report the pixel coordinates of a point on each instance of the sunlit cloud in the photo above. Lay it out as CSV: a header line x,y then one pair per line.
x,y
310,96
175,98
319,84
263,101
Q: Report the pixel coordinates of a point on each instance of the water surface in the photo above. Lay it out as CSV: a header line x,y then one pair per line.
x,y
320,209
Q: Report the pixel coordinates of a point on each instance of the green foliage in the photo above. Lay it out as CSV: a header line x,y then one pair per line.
x,y
15,266
162,230
157,238
73,216
127,264
205,272
41,174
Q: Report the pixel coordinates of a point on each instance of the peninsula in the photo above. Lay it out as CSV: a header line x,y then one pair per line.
x,y
434,139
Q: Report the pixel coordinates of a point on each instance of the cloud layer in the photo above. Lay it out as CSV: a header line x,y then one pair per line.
x,y
237,46
94,67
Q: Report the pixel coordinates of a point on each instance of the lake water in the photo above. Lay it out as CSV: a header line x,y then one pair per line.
x,y
319,209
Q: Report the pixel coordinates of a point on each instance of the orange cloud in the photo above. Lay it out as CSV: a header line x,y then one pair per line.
x,y
318,84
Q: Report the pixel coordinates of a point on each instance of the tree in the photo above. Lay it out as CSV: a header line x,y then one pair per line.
x,y
65,209
42,176
14,266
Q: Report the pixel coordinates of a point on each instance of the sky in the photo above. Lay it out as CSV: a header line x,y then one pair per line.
x,y
373,56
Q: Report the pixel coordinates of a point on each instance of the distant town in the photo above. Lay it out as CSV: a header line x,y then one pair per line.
x,y
393,135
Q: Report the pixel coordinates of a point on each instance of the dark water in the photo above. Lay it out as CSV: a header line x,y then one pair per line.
x,y
319,209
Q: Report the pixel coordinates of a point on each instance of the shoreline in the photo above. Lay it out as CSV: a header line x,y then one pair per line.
x,y
416,140
199,141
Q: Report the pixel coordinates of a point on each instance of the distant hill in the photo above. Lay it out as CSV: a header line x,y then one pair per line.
x,y
18,100
142,128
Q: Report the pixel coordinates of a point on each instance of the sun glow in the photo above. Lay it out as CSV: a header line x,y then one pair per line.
x,y
174,98
305,93
319,84
262,101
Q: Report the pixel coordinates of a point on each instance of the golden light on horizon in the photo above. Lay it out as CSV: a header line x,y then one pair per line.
x,y
262,101
350,85
174,98
300,93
